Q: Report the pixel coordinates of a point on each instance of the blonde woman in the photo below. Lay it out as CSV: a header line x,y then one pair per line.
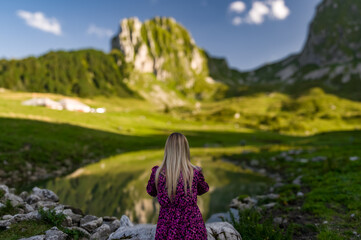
x,y
176,183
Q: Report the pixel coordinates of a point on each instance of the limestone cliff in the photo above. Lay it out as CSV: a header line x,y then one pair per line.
x,y
161,53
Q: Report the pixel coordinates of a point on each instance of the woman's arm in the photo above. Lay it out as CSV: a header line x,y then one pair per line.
x,y
151,189
202,186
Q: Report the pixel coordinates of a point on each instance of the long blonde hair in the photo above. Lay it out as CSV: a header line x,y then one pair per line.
x,y
176,159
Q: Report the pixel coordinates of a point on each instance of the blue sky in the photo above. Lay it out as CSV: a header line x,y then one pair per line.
x,y
248,33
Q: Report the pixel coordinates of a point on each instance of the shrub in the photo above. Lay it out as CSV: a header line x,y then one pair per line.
x,y
8,209
50,216
252,225
242,196
56,219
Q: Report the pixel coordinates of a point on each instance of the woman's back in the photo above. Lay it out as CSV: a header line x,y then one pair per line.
x,y
180,218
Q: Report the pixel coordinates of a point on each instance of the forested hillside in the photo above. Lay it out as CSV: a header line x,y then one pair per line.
x,y
83,73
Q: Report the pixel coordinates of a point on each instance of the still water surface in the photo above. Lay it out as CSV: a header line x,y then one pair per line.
x,y
117,185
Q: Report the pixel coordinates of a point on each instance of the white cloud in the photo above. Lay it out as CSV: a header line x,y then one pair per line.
x,y
279,9
237,21
260,10
257,13
237,7
100,32
40,21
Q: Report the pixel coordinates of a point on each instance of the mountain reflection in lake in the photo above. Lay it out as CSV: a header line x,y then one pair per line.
x,y
117,185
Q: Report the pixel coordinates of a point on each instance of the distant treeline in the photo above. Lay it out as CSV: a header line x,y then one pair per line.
x,y
83,73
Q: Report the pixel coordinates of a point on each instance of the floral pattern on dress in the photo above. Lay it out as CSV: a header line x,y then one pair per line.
x,y
180,219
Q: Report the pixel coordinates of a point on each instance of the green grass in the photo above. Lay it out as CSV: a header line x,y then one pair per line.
x,y
252,225
332,187
28,228
51,217
134,131
8,209
24,229
308,114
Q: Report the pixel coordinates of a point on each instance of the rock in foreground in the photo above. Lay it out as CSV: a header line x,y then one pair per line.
x,y
30,205
216,230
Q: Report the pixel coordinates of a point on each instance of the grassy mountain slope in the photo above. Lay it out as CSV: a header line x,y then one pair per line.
x,y
330,59
83,73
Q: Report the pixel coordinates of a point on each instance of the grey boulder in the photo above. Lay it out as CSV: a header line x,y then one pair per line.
x,y
101,233
125,221
55,234
45,194
4,188
90,223
222,231
37,237
216,230
137,232
114,225
14,200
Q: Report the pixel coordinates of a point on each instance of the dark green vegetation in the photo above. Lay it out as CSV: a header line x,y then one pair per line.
x,y
331,187
21,229
8,208
57,219
83,73
28,228
24,229
253,225
53,146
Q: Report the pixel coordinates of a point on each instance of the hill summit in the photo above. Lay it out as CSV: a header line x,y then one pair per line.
x,y
162,52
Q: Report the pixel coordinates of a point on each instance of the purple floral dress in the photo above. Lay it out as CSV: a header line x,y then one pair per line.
x,y
181,219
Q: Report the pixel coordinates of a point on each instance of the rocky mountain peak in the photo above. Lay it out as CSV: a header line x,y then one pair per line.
x,y
150,44
129,36
334,34
164,48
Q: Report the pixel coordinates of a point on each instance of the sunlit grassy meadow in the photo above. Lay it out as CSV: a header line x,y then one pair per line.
x,y
106,158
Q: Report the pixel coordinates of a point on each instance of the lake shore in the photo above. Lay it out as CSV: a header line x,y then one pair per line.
x,y
41,216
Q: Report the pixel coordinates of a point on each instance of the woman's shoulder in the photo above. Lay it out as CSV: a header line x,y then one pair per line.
x,y
197,169
155,168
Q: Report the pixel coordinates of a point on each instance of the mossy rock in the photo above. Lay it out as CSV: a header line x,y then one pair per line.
x,y
242,197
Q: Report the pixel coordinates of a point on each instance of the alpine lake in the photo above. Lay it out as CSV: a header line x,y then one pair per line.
x,y
117,185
